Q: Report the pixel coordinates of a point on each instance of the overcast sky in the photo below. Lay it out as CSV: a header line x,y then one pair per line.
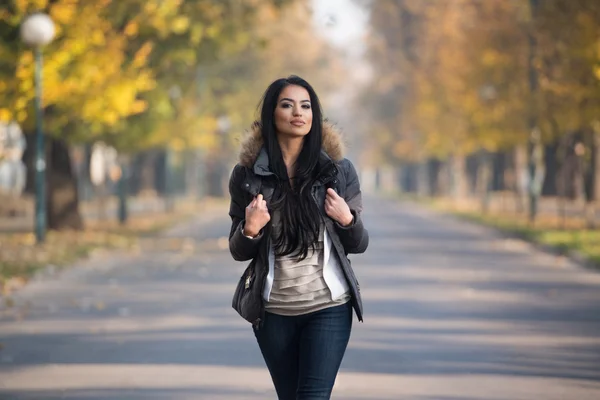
x,y
343,23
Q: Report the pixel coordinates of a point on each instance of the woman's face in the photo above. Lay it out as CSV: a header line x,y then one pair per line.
x,y
293,113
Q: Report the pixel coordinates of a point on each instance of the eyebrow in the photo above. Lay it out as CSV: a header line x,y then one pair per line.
x,y
301,101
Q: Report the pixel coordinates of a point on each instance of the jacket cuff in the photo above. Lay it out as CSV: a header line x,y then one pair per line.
x,y
352,224
256,238
352,233
244,247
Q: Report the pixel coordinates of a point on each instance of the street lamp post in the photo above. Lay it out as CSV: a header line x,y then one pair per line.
x,y
487,94
122,187
37,30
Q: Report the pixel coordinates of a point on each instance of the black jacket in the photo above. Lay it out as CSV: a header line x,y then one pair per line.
x,y
252,176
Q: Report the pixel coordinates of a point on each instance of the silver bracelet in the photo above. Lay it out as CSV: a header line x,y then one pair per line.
x,y
249,237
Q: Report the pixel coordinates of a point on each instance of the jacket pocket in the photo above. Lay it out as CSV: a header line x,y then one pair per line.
x,y
247,299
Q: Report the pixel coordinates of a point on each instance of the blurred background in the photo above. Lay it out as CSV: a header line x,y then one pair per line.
x,y
492,104
120,123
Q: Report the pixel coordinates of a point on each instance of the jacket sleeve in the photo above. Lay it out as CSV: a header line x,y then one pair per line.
x,y
354,238
241,247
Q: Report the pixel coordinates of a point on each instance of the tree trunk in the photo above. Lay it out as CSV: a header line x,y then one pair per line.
x,y
433,171
145,173
483,179
28,159
561,152
443,180
578,179
62,198
458,178
191,179
85,183
423,179
592,177
521,177
537,172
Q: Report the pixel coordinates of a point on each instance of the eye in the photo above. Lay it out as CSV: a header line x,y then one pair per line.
x,y
306,106
286,105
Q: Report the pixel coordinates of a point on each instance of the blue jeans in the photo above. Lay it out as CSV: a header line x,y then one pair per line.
x,y
304,353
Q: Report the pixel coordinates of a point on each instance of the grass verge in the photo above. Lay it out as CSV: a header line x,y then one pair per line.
x,y
21,257
574,240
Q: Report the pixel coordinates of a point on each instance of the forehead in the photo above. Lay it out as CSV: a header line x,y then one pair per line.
x,y
294,92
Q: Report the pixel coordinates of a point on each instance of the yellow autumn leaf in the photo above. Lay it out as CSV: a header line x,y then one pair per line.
x,y
21,5
180,24
197,33
142,54
26,58
26,86
22,116
98,38
131,29
139,106
63,13
21,103
110,117
5,115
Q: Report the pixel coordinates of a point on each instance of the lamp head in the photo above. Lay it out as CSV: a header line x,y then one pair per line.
x,y
37,30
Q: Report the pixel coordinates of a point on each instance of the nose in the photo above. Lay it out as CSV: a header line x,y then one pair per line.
x,y
297,111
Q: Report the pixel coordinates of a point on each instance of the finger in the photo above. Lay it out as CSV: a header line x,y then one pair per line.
x,y
259,198
332,192
252,203
263,204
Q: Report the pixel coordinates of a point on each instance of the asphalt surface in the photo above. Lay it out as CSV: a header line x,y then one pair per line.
x,y
453,311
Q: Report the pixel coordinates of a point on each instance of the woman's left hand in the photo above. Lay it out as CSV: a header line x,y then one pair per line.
x,y
337,209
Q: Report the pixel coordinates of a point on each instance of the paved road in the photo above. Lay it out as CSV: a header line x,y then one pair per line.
x,y
452,312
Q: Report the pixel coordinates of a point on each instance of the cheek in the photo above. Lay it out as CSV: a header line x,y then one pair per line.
x,y
280,117
308,117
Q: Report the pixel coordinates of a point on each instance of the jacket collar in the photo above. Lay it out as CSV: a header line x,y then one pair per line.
x,y
254,156
261,165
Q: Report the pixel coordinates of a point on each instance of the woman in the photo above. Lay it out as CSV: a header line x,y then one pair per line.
x,y
296,213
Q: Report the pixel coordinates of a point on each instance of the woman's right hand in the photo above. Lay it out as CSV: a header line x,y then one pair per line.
x,y
257,216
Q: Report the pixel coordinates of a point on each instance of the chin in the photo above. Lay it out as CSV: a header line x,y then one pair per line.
x,y
299,134
296,132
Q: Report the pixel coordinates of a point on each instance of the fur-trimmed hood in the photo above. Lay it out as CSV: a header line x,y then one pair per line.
x,y
252,143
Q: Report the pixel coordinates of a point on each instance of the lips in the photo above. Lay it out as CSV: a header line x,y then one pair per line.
x,y
297,123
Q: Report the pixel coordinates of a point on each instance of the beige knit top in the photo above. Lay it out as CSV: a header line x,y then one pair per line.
x,y
298,286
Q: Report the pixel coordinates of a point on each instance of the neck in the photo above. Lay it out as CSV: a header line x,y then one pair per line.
x,y
290,150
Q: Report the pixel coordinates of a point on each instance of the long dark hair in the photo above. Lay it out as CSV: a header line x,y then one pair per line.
x,y
299,216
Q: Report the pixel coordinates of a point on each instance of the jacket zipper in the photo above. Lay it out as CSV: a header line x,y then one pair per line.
x,y
263,280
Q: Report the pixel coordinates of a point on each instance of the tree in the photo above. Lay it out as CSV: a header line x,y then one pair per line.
x,y
109,71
